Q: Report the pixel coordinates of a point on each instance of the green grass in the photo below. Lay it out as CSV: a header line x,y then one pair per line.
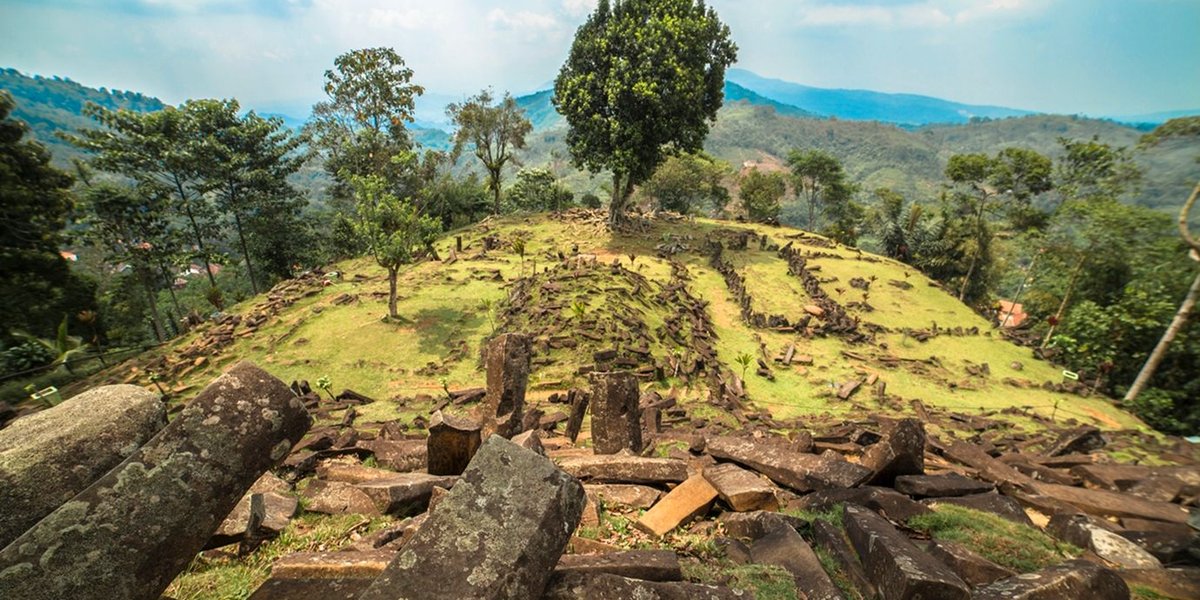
x,y
833,514
1013,545
834,570
767,582
1141,592
229,578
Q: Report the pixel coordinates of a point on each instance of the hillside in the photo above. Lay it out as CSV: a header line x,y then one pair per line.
x,y
677,320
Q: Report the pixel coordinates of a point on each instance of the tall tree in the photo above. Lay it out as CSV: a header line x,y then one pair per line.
x,y
538,190
1095,169
394,231
494,132
360,129
894,225
686,182
819,180
641,77
760,194
38,285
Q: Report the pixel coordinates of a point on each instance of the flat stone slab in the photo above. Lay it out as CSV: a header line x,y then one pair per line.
x,y
832,539
351,473
969,566
888,502
688,500
337,498
311,589
633,496
785,548
1072,579
48,457
742,490
989,468
404,494
498,534
332,565
799,471
991,502
579,586
1115,504
624,468
399,455
941,486
899,570
647,565
1180,583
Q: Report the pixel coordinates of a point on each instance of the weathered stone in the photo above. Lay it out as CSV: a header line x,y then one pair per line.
x,y
648,565
331,565
404,494
785,548
1176,583
351,472
48,457
1106,503
530,440
1080,440
832,539
452,442
742,490
1167,547
889,503
507,363
1072,579
1158,488
337,498
801,472
132,531
602,586
752,525
633,496
993,503
688,500
311,589
498,534
616,416
398,455
940,486
578,399
1092,534
278,512
625,468
899,570
969,566
900,452
989,468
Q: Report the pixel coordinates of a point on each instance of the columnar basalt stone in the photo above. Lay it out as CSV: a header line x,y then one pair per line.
x,y
604,586
578,399
626,468
48,457
647,565
507,362
971,567
132,531
899,570
688,500
742,490
940,486
801,472
452,442
785,548
498,534
616,416
900,452
1072,579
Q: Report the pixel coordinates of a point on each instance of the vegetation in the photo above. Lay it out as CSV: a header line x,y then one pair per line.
x,y
1006,543
494,133
687,183
760,194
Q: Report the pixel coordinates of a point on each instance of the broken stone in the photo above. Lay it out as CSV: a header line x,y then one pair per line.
x,y
626,468
688,500
742,490
752,525
498,534
337,498
633,496
801,472
647,565
279,508
989,468
785,548
48,457
832,539
889,503
452,442
1088,533
899,570
940,486
602,586
1168,548
311,589
578,400
969,566
507,363
992,503
1176,583
179,485
350,472
399,455
1072,579
1106,503
331,565
900,452
530,440
616,417
1081,440
404,494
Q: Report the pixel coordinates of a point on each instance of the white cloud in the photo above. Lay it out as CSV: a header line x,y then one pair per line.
x,y
502,19
920,14
578,8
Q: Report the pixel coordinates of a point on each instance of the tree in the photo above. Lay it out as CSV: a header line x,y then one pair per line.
x,y
538,190
1022,175
761,193
1094,169
894,225
494,133
685,182
245,163
360,129
393,230
844,218
642,77
39,287
819,180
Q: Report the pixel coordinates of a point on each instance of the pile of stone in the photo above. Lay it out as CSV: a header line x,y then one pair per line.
x,y
833,317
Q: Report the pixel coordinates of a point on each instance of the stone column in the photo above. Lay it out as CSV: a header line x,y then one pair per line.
x,y
130,533
507,362
48,457
451,444
616,417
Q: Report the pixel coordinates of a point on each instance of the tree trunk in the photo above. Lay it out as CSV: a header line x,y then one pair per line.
x,y
155,319
1062,306
616,207
187,208
1021,289
170,281
237,221
962,291
393,272
494,183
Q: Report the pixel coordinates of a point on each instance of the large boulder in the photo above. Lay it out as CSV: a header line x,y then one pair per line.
x,y
132,531
1072,579
452,442
49,456
900,452
899,570
616,416
498,534
507,363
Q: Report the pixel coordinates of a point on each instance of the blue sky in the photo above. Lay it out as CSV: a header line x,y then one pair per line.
x,y
1098,57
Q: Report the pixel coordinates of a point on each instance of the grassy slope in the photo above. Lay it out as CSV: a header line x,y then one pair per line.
x,y
350,344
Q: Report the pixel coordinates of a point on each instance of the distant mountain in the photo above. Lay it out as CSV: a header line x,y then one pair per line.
x,y
866,105
1154,119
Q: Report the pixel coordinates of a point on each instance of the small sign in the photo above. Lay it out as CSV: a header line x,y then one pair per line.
x,y
1071,375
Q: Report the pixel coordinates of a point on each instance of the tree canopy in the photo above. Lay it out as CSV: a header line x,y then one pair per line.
x,y
494,132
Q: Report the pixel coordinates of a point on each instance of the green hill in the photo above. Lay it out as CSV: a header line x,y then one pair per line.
x,y
655,301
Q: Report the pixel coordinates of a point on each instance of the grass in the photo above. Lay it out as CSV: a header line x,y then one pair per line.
x,y
767,582
1013,545
229,578
1141,592
833,514
834,570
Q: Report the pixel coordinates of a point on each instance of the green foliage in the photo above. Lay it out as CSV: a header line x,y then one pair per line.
x,y
62,347
493,132
685,183
590,200
760,195
1185,127
766,582
455,201
1006,543
844,220
1094,169
392,230
892,224
25,355
745,360
821,183
623,119
538,190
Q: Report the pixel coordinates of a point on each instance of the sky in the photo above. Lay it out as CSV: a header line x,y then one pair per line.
x,y
1094,57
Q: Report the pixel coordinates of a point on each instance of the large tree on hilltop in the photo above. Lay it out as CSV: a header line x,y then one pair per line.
x,y
643,77
494,133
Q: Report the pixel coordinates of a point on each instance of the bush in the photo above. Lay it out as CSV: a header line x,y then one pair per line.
x,y
25,356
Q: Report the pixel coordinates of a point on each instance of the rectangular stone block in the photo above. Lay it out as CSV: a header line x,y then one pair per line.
x,y
688,500
899,570
801,472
